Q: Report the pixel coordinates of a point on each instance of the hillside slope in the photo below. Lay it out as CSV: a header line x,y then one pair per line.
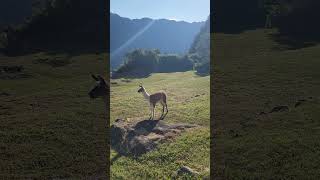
x,y
201,43
201,48
50,128
250,80
188,102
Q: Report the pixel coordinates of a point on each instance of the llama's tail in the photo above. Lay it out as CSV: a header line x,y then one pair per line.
x,y
164,97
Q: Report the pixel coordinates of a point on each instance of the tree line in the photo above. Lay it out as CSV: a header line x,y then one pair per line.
x,y
59,24
294,18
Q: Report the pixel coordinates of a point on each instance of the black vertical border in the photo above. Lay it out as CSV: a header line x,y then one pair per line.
x,y
107,43
212,104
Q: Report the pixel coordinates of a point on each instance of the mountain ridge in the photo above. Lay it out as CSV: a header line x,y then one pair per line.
x,y
169,36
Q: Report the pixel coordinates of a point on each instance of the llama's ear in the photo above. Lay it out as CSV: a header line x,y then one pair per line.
x,y
94,77
101,79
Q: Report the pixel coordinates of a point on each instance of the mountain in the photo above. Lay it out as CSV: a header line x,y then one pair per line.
x,y
166,35
201,44
200,49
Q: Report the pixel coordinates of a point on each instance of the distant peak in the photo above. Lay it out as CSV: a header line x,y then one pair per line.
x,y
161,19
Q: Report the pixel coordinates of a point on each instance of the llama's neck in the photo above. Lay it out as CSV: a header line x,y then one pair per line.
x,y
146,95
106,101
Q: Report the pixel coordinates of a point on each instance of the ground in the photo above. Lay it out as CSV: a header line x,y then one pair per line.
x,y
252,74
49,126
188,102
48,123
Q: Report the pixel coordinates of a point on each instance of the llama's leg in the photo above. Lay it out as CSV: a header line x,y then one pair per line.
x,y
153,111
166,111
153,114
162,112
150,112
162,103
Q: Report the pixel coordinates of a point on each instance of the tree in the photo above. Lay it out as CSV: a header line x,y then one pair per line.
x,y
231,16
61,24
299,20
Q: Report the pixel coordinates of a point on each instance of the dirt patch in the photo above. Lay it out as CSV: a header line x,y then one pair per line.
x,y
138,137
13,72
53,61
11,69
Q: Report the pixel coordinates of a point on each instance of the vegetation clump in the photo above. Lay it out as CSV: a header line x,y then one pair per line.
x,y
141,63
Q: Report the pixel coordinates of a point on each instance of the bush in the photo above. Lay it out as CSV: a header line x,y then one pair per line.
x,y
141,63
203,68
174,63
138,63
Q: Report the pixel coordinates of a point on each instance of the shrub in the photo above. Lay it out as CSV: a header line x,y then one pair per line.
x,y
140,63
174,63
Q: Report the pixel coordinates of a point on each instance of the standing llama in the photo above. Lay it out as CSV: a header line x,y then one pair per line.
x,y
153,99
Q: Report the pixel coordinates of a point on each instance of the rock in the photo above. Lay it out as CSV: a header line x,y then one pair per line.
x,y
299,102
233,133
126,80
12,69
186,170
136,137
279,109
262,113
4,94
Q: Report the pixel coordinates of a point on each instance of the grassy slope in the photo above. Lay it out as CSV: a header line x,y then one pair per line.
x,y
191,148
64,134
253,74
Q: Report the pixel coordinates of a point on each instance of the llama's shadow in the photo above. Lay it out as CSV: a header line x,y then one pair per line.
x,y
145,127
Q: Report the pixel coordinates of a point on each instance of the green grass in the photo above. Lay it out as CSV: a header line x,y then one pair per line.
x,y
62,134
188,102
252,74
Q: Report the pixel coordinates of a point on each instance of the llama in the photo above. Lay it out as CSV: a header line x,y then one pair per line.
x,y
153,99
101,89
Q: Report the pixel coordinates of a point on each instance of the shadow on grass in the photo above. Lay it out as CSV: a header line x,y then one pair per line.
x,y
115,158
292,43
234,29
129,77
70,50
202,74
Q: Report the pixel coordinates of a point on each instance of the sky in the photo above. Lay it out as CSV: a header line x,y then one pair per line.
x,y
179,10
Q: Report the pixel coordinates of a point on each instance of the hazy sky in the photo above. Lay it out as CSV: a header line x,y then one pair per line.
x,y
182,10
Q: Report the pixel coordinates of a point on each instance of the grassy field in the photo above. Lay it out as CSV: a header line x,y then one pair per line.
x,y
253,74
188,102
49,127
